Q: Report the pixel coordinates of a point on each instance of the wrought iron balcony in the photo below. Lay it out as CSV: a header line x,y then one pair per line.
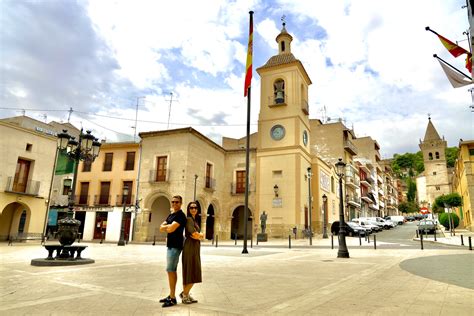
x,y
305,107
240,189
159,176
31,187
82,199
274,102
129,200
102,200
210,184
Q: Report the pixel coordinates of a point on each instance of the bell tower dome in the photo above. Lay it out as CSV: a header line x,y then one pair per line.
x,y
284,40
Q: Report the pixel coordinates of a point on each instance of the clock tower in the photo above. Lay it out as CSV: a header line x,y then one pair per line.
x,y
283,153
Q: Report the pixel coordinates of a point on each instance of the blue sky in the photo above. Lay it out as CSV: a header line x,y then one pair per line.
x,y
370,62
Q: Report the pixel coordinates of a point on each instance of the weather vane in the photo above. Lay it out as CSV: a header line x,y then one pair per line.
x,y
429,116
283,17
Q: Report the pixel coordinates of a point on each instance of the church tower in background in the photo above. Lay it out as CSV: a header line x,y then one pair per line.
x,y
436,179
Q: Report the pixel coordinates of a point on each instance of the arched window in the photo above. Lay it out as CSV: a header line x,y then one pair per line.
x,y
430,156
21,225
282,46
279,91
437,155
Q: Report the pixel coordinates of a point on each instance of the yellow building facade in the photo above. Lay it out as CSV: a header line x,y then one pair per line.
x,y
27,168
101,203
463,182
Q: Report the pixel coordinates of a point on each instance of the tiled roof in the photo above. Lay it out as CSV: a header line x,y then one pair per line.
x,y
280,60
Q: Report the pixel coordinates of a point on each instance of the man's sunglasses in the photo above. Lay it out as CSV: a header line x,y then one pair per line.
x,y
174,202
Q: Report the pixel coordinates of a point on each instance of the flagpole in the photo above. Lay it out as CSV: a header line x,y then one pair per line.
x,y
444,61
247,150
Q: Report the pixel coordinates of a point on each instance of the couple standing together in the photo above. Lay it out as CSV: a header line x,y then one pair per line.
x,y
175,224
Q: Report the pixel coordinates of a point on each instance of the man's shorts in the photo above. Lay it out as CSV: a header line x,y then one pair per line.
x,y
172,259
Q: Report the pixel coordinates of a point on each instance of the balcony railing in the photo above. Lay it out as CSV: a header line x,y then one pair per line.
x,y
210,183
240,189
31,188
81,199
349,146
154,177
366,198
305,107
365,182
102,199
353,200
129,200
352,181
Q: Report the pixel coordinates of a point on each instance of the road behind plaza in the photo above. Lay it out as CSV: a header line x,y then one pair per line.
x,y
396,279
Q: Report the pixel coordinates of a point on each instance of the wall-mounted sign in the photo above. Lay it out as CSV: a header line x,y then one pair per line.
x,y
277,202
324,181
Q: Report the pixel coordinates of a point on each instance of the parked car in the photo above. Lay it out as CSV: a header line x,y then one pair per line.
x,y
365,222
398,219
352,229
427,225
410,218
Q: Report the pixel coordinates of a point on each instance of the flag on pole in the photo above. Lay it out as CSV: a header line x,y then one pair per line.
x,y
454,49
457,80
248,72
456,77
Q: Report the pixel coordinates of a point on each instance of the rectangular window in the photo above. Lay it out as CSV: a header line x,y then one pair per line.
x,y
29,147
86,165
83,197
240,182
471,151
128,198
67,184
104,193
130,162
21,175
161,163
108,162
208,175
277,173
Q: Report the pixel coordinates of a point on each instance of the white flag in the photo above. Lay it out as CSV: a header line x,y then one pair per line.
x,y
457,79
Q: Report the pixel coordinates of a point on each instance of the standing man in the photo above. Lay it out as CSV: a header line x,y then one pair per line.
x,y
174,225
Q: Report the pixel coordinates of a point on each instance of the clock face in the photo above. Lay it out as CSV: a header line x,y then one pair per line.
x,y
277,132
305,138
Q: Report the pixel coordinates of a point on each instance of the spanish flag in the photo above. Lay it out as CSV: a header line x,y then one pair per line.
x,y
248,72
454,49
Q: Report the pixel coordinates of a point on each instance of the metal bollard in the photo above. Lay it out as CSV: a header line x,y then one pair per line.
x,y
421,241
360,240
435,235
462,240
470,243
375,242
417,233
235,239
217,240
251,242
213,241
102,237
332,241
289,241
368,239
154,240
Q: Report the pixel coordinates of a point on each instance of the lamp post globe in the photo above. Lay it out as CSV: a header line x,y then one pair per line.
x,y
342,251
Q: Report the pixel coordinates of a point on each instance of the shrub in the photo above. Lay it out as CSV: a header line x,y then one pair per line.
x,y
444,220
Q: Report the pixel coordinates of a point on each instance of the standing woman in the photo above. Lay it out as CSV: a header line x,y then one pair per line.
x,y
191,254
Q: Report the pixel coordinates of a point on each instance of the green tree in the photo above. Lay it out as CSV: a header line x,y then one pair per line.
x,y
452,200
444,219
408,207
451,155
411,193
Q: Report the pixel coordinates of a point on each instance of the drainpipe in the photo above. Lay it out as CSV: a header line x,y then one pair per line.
x,y
137,201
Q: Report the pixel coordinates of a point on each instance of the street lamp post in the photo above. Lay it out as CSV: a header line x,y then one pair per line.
x,y
325,200
309,206
121,241
342,252
195,179
86,148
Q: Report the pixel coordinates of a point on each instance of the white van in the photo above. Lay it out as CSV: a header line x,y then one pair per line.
x,y
397,219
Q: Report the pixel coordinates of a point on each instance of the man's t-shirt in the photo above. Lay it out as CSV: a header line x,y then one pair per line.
x,y
176,239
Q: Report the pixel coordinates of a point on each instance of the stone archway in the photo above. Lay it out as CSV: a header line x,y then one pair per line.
x,y
15,217
159,211
237,224
210,222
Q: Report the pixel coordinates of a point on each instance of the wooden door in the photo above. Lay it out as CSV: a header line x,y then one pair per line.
x,y
21,175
